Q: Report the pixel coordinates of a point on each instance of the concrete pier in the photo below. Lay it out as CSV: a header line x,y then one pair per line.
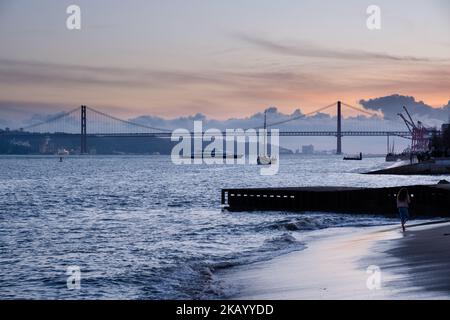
x,y
427,200
433,167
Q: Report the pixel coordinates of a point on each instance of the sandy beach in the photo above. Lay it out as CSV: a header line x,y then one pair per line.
x,y
353,263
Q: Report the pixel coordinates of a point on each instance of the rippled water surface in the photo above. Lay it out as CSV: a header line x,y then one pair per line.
x,y
143,228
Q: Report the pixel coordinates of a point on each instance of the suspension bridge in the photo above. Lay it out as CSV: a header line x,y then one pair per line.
x,y
87,122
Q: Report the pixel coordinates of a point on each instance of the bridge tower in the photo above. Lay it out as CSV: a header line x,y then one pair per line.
x,y
83,146
339,128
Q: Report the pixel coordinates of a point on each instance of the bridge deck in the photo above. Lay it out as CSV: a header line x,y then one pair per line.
x,y
281,133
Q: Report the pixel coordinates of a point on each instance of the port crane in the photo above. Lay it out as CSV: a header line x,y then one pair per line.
x,y
419,133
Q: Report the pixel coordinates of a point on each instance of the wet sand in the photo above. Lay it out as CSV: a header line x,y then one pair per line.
x,y
412,265
424,261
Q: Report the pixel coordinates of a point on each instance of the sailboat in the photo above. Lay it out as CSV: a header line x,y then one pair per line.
x,y
264,159
393,157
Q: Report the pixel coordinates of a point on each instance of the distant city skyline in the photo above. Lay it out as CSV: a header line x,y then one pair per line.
x,y
178,58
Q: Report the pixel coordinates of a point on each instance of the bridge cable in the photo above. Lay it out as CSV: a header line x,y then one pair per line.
x,y
55,118
296,117
128,122
359,109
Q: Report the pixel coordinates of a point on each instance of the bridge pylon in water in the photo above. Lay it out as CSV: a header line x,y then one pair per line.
x,y
83,145
339,128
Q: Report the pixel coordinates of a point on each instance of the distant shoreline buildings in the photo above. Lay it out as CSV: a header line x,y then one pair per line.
x,y
310,150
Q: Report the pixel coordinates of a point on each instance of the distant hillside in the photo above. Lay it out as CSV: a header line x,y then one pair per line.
x,y
41,144
12,143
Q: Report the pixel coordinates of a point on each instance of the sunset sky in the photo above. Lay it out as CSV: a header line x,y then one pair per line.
x,y
220,58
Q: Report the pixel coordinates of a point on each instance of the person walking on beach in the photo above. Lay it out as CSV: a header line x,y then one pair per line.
x,y
403,201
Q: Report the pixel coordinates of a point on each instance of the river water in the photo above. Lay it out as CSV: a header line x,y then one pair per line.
x,y
140,227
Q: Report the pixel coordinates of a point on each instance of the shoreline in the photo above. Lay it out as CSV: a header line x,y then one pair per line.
x,y
336,264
